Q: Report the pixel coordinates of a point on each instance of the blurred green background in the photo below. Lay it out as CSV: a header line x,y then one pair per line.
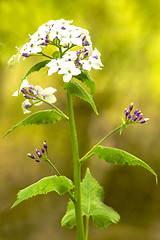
x,y
127,33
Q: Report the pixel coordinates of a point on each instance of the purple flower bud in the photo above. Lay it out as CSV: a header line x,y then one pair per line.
x,y
83,38
140,116
95,57
45,145
24,90
84,50
78,52
63,28
86,55
131,107
130,116
37,160
43,151
66,46
144,120
126,112
85,43
78,63
28,106
39,153
31,91
27,96
25,54
135,118
136,111
31,156
31,86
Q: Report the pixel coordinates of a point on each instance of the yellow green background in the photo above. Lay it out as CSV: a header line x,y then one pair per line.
x,y
127,33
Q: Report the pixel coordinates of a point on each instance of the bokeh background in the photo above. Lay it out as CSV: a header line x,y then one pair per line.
x,y
127,33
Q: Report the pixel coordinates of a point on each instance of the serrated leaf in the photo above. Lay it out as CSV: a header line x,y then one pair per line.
x,y
34,68
37,67
92,205
76,89
59,184
41,117
84,77
117,156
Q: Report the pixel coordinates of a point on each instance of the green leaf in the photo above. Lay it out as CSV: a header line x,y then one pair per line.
x,y
41,117
35,68
84,77
76,89
59,184
117,156
92,205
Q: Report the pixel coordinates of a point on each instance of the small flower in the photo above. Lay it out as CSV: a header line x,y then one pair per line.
x,y
69,71
37,95
25,105
46,94
24,84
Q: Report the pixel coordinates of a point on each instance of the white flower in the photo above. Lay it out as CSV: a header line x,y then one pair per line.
x,y
69,70
24,84
70,56
25,105
93,61
46,94
55,65
73,37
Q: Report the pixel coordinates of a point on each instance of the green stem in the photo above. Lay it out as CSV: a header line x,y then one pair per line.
x,y
58,110
90,153
87,227
45,55
76,170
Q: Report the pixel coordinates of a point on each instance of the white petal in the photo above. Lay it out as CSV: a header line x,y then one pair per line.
x,y
49,90
39,90
67,77
51,98
76,71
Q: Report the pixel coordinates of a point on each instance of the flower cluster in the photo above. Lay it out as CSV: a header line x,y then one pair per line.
x,y
40,154
64,37
137,116
35,95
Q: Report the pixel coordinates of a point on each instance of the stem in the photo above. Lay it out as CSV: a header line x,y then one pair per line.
x,y
76,170
58,110
55,169
45,55
90,153
87,227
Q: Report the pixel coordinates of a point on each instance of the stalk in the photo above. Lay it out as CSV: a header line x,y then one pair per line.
x,y
90,153
76,170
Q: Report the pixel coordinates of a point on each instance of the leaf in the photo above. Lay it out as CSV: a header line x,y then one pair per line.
x,y
37,67
117,156
59,184
84,77
41,117
34,68
76,89
92,205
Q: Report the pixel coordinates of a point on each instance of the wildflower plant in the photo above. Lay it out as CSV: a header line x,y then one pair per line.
x,y
73,57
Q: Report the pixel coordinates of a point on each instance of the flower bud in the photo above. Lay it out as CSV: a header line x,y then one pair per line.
x,y
45,145
131,107
39,154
